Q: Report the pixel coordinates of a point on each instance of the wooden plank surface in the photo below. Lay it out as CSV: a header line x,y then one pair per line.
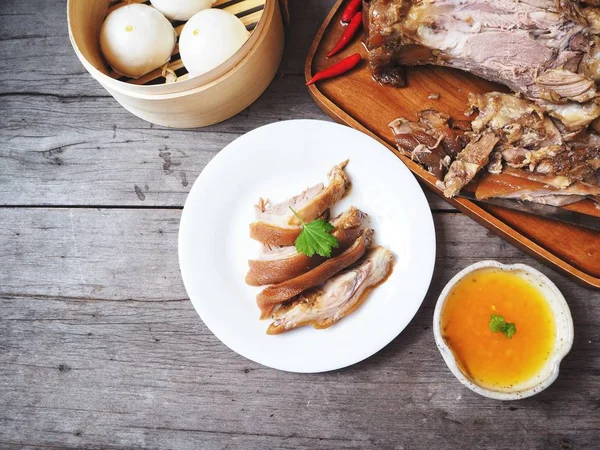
x,y
100,347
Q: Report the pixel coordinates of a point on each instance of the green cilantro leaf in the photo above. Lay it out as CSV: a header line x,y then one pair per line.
x,y
315,237
510,330
498,325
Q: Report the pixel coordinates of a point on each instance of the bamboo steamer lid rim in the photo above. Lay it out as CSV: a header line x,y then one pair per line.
x,y
187,87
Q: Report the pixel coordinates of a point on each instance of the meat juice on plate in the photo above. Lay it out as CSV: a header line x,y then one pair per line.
x,y
500,328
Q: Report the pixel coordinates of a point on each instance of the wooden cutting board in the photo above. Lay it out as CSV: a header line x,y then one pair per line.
x,y
355,99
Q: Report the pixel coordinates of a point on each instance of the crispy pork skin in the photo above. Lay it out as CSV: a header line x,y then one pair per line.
x,y
279,293
321,307
277,224
278,264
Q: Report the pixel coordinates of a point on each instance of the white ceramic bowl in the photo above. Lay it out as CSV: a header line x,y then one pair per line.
x,y
562,346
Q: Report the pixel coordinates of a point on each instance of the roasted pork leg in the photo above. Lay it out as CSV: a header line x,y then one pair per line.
x,y
533,47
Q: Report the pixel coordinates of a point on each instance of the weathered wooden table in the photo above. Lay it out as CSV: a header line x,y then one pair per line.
x,y
100,347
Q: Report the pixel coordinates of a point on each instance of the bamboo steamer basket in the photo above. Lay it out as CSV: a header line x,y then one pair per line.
x,y
186,102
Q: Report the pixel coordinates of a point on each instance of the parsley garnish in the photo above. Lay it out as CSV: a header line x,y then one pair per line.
x,y
499,325
315,237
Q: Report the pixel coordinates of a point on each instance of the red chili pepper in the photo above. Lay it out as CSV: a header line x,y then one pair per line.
x,y
349,33
353,7
337,69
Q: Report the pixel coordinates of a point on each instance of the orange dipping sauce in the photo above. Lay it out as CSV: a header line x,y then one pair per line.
x,y
490,359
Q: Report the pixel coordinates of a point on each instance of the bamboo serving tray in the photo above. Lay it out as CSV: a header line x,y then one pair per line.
x,y
355,99
168,96
248,11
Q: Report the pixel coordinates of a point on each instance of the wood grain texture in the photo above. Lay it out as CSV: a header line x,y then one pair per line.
x,y
100,347
356,100
114,356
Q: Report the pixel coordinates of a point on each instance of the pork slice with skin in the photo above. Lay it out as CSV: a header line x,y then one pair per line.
x,y
453,137
277,224
553,199
278,264
339,296
276,294
508,186
468,162
432,141
422,146
556,181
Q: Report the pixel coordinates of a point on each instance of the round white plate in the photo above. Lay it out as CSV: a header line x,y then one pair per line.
x,y
278,161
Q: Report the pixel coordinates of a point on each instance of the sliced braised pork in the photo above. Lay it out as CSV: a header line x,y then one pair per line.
x,y
530,139
276,294
277,224
510,135
323,306
471,160
509,186
579,162
278,264
432,141
556,181
519,123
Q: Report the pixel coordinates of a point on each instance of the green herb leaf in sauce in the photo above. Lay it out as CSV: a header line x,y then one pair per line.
x,y
499,325
509,330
